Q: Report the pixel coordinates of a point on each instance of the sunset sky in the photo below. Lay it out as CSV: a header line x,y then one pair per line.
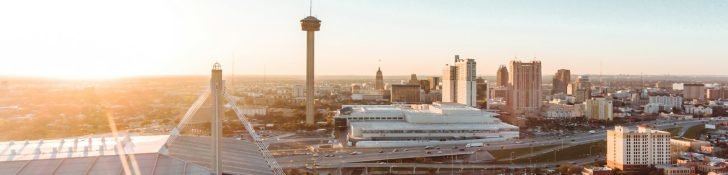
x,y
106,39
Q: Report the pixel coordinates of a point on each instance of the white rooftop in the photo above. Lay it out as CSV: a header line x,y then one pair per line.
x,y
402,125
79,147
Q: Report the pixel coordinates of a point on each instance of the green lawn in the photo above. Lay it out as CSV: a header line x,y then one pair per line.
x,y
694,131
506,153
673,131
570,153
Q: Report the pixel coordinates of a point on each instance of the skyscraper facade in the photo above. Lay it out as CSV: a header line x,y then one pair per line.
x,y
405,93
379,80
459,82
524,87
561,81
694,91
501,76
449,85
467,85
435,83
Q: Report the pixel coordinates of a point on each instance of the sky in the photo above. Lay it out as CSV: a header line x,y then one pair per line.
x,y
79,39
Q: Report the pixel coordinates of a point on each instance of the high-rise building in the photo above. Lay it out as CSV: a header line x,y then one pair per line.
x,y
561,81
501,76
310,24
413,80
459,84
467,86
379,80
405,93
717,93
435,83
694,91
425,86
598,109
449,85
630,149
580,89
524,87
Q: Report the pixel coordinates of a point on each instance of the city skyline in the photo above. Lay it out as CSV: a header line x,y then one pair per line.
x,y
173,37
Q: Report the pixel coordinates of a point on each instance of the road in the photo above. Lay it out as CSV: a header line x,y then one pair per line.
x,y
343,156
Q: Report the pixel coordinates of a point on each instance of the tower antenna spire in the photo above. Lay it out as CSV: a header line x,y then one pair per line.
x,y
310,7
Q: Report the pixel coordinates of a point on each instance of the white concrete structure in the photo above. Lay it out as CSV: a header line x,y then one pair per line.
x,y
631,149
667,102
459,82
399,125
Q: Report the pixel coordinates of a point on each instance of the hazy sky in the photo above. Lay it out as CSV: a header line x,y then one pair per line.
x,y
98,38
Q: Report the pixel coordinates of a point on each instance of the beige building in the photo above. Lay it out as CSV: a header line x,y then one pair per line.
x,y
675,170
524,87
694,91
405,93
459,83
501,76
685,144
631,149
598,109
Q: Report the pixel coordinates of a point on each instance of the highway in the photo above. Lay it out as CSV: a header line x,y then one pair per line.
x,y
343,156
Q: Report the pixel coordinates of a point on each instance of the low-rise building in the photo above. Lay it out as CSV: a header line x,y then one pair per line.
x,y
562,111
597,171
675,170
598,109
410,124
698,110
686,144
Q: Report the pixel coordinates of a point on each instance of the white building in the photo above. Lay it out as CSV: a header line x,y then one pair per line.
x,y
254,110
459,84
631,149
298,91
562,111
667,102
698,110
425,124
598,109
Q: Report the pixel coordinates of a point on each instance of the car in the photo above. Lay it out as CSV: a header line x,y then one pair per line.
x,y
428,152
437,147
429,147
439,152
381,151
454,147
462,149
395,150
405,149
